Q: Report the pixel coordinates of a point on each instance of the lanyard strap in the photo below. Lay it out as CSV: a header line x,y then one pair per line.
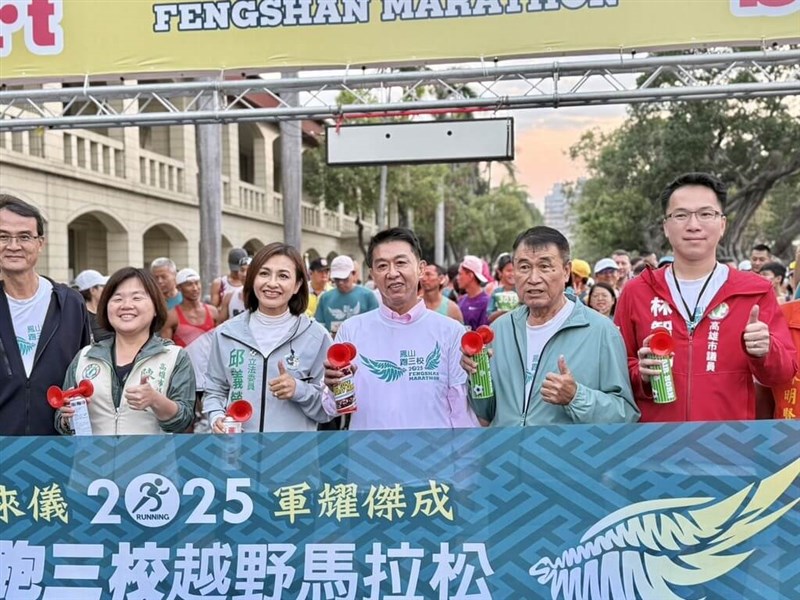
x,y
693,313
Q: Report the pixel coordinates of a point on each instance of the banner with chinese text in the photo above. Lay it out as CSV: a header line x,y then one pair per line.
x,y
654,512
73,38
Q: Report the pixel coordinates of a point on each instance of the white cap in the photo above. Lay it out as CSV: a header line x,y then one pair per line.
x,y
605,263
186,275
474,264
86,280
342,267
745,265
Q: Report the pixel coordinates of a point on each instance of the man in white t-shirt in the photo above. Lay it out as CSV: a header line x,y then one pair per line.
x,y
408,374
43,324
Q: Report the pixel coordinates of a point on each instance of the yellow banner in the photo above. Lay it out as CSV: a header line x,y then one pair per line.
x,y
68,38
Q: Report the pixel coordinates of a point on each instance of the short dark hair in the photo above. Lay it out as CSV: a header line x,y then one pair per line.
x,y
541,236
762,248
394,234
609,289
23,209
776,268
150,286
439,270
504,261
298,303
702,179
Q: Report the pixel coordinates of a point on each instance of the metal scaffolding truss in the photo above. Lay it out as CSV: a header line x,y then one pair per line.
x,y
490,87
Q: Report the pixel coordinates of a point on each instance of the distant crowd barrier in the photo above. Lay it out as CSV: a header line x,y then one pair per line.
x,y
655,512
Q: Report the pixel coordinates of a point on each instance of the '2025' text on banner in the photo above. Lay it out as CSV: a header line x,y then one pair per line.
x,y
70,38
622,512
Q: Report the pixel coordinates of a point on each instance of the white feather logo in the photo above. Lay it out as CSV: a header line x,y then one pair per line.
x,y
644,550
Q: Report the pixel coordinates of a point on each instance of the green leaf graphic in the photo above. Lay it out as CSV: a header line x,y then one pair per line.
x,y
432,360
385,370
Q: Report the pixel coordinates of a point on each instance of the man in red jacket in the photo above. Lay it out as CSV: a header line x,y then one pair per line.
x,y
726,324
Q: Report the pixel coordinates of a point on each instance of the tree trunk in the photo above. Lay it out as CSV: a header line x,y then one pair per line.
x,y
745,202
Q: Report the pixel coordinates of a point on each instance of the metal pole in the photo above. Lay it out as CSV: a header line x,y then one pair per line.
x,y
438,231
292,171
381,220
209,181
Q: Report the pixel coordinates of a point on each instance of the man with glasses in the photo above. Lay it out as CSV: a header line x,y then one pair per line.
x,y
43,324
726,325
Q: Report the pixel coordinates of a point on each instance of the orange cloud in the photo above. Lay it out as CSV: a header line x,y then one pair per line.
x,y
542,153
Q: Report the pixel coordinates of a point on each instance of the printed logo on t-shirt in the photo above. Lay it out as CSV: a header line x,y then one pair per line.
x,y
29,345
344,313
529,373
417,368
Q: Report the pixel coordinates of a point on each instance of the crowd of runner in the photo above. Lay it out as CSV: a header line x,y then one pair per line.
x,y
570,341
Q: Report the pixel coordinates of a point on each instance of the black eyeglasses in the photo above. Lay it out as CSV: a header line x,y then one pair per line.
x,y
704,215
23,238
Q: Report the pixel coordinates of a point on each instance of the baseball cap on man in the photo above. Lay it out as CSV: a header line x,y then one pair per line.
x,y
474,264
605,263
234,256
342,267
581,268
88,279
319,264
187,275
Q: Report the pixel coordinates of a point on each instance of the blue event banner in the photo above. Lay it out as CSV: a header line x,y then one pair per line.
x,y
650,512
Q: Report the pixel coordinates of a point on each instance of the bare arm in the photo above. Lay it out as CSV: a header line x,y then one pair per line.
x,y
496,315
216,296
224,309
454,312
168,331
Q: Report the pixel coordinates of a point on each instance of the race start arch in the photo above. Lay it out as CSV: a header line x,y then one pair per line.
x,y
107,52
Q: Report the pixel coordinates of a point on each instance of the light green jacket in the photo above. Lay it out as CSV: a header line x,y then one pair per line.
x,y
595,355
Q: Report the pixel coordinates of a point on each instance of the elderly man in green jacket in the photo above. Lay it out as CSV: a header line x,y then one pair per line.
x,y
554,360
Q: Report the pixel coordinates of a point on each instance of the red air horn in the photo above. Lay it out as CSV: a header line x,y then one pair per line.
x,y
661,343
240,411
474,341
474,344
56,397
342,354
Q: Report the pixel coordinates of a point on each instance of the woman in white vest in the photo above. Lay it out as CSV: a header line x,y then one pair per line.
x,y
142,383
270,355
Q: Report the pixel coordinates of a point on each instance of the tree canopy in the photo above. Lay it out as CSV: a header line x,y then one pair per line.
x,y
752,145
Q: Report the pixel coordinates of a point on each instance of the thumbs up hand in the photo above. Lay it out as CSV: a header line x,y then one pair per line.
x,y
559,388
756,335
142,396
284,385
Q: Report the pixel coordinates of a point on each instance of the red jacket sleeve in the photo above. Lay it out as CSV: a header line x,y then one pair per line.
x,y
780,364
623,319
